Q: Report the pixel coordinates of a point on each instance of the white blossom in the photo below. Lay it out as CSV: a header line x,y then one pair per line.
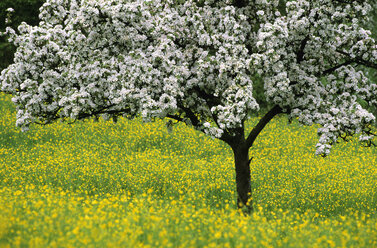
x,y
196,62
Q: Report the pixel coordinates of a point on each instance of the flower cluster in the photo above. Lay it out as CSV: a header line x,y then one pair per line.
x,y
195,61
309,58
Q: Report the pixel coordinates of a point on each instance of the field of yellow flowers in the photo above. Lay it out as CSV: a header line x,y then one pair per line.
x,y
130,184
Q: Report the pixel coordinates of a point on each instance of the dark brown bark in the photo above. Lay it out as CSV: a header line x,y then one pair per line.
x,y
243,178
261,124
240,3
240,146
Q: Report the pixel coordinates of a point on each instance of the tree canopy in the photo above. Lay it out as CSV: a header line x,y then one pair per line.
x,y
196,61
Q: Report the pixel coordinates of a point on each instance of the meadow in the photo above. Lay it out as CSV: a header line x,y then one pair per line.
x,y
134,184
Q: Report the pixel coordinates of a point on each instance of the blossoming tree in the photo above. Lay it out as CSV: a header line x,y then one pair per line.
x,y
196,62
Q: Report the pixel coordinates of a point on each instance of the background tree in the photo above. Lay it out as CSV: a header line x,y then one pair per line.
x,y
197,62
24,11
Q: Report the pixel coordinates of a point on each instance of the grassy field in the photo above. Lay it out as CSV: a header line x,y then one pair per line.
x,y
99,184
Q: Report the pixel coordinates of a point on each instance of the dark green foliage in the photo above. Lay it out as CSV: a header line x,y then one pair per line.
x,y
25,11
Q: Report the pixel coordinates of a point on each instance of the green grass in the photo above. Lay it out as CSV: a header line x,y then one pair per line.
x,y
133,184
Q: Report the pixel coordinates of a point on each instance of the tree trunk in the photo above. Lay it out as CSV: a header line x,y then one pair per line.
x,y
243,180
240,147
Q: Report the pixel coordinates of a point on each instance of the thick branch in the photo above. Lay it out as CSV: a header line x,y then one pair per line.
x,y
300,53
366,63
330,70
175,117
189,114
210,99
359,60
261,124
240,3
234,137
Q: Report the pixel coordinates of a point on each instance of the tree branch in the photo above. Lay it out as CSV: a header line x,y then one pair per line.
x,y
359,60
104,110
348,1
330,70
175,117
211,100
300,53
193,118
240,3
261,124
